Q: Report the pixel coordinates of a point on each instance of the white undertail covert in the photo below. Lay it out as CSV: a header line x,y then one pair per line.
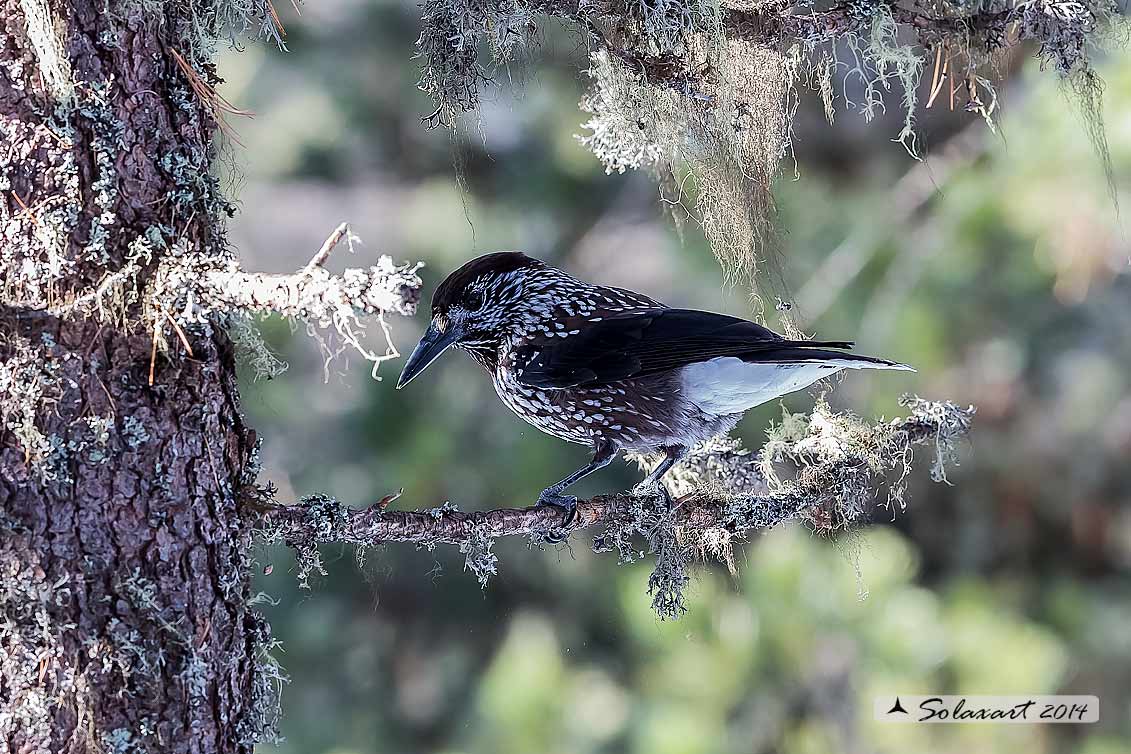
x,y
728,385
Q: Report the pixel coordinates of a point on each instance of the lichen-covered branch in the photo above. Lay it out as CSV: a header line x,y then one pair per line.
x,y
315,296
190,291
661,39
837,462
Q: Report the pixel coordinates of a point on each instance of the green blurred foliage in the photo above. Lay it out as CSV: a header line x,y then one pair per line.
x,y
1006,285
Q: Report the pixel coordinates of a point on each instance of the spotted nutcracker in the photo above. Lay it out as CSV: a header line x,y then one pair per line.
x,y
613,369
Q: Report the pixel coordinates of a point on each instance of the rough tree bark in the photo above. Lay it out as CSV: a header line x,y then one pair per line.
x,y
126,574
124,623
127,495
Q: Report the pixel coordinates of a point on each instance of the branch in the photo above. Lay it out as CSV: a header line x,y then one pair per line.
x,y
332,240
658,40
190,288
755,25
779,20
774,23
322,519
838,461
316,295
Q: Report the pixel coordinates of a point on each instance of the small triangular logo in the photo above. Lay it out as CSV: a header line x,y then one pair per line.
x,y
897,707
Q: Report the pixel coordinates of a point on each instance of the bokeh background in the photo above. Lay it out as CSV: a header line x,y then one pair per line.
x,y
997,266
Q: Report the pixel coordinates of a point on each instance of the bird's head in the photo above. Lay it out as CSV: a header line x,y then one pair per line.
x,y
475,307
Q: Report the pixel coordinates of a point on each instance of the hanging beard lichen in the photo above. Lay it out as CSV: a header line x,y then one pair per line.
x,y
721,141
450,39
702,92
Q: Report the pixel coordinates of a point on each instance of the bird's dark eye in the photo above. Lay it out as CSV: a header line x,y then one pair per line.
x,y
474,301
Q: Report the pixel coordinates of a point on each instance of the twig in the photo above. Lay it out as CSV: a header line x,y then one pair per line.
x,y
180,333
938,78
327,246
113,405
935,73
153,353
25,208
275,18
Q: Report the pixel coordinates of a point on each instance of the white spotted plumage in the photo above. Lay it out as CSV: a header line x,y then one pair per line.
x,y
639,376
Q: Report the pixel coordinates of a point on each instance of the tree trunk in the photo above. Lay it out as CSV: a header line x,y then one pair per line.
x,y
124,568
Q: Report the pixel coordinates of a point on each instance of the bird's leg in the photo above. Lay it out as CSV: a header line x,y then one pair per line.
x,y
652,484
603,454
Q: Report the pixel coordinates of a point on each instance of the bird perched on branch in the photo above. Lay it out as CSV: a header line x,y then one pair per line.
x,y
613,369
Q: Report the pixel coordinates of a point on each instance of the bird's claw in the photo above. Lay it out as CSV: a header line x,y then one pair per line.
x,y
656,490
566,503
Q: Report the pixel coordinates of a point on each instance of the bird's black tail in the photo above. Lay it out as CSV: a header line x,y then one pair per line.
x,y
845,344
808,351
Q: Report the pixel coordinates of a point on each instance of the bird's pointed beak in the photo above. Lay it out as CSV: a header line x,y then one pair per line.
x,y
431,345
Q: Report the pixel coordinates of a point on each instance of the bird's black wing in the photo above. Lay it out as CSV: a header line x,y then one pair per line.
x,y
649,341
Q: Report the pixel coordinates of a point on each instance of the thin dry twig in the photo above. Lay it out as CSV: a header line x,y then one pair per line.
x,y
275,18
153,353
216,103
180,333
110,398
327,246
25,208
939,77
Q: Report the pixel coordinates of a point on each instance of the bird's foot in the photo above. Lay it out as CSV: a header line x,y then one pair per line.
x,y
654,490
567,504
